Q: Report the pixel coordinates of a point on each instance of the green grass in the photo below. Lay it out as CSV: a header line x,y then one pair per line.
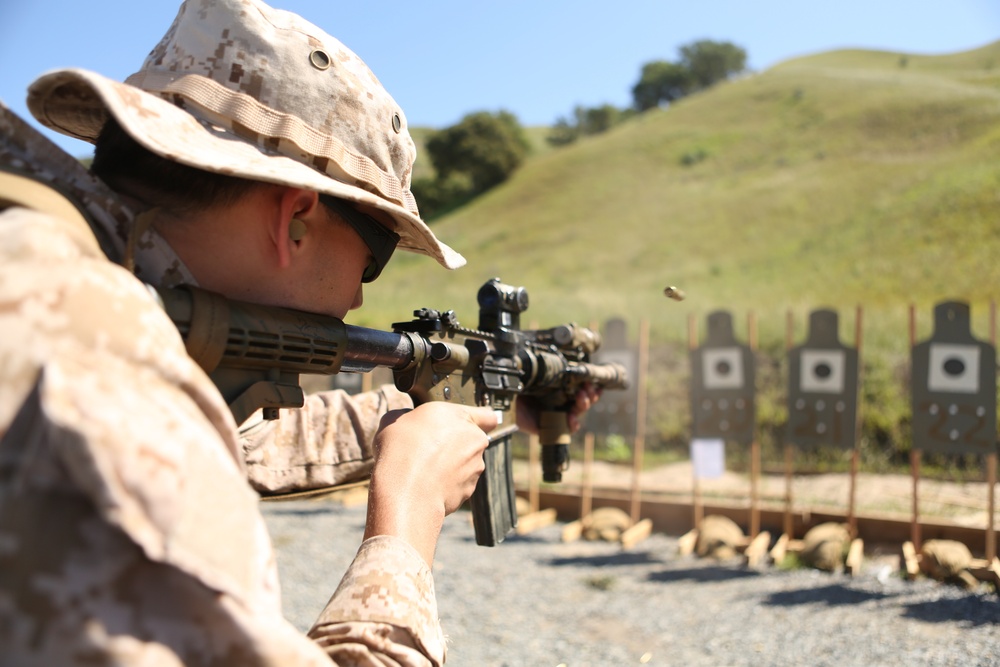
x,y
842,179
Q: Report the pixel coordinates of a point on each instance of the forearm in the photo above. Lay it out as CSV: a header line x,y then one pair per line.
x,y
400,510
385,606
326,442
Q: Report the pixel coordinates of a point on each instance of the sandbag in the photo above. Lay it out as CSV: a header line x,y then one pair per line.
x,y
606,523
718,537
825,546
944,559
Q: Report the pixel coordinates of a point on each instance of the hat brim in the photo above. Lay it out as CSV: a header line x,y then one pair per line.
x,y
78,102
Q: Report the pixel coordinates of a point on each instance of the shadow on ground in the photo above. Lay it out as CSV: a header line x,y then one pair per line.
x,y
708,573
832,595
603,560
974,612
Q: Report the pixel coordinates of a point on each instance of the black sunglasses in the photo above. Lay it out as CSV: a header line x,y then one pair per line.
x,y
381,241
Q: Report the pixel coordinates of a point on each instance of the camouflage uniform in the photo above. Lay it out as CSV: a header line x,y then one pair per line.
x,y
128,532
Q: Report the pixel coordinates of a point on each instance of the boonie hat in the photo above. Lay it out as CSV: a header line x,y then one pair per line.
x,y
239,88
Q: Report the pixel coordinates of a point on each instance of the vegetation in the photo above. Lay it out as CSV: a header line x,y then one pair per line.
x,y
587,121
843,179
702,64
480,151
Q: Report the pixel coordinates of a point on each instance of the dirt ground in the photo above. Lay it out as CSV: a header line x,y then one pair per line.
x,y
888,496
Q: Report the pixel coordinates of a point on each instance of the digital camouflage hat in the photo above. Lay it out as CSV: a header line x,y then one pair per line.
x,y
239,88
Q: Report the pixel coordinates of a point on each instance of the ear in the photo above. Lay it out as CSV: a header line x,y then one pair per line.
x,y
292,203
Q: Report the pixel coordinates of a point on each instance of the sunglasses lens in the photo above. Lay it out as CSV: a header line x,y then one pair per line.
x,y
380,240
372,272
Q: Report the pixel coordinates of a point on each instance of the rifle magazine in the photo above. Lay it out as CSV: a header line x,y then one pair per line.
x,y
494,502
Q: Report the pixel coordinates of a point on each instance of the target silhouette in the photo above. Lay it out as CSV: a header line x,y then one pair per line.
x,y
722,384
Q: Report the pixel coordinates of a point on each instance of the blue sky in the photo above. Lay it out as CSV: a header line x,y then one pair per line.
x,y
539,59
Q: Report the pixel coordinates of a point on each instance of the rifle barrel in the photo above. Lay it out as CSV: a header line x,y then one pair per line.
x,y
370,348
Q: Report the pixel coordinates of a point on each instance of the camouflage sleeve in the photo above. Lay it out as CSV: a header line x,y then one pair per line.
x,y
128,533
324,443
390,589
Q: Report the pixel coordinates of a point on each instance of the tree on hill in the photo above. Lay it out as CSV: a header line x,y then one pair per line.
x,y
586,121
702,64
710,62
479,152
661,81
486,147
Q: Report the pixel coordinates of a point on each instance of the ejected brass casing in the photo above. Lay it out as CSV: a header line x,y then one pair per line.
x,y
674,293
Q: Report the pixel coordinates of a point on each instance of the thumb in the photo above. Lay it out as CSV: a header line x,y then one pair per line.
x,y
483,417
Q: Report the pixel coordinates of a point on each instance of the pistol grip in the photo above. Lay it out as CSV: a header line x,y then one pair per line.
x,y
554,436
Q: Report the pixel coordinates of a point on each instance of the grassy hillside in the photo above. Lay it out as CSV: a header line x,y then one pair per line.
x,y
838,179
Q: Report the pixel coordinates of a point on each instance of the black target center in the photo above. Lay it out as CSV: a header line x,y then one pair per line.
x,y
954,366
823,371
723,368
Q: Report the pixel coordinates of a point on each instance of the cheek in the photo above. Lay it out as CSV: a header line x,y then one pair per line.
x,y
337,266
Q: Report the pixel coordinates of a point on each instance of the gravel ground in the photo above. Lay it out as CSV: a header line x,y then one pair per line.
x,y
534,600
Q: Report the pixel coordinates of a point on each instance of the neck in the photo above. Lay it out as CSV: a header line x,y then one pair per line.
x,y
225,248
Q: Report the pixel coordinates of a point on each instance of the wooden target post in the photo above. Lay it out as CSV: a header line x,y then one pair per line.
x,y
823,391
852,519
533,465
573,530
587,481
823,396
954,394
991,464
754,444
698,512
640,528
535,518
639,443
914,457
788,525
722,391
587,474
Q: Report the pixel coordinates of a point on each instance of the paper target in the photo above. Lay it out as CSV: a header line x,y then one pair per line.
x,y
822,386
723,368
953,368
615,413
722,385
954,391
822,371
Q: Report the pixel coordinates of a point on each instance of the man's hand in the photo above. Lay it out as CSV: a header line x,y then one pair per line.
x,y
586,397
427,463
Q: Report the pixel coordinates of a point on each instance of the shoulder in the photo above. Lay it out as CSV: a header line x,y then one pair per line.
x,y
119,407
60,295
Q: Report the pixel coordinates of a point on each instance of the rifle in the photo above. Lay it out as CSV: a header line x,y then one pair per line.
x,y
255,355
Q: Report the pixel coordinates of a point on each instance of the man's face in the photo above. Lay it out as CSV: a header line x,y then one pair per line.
x,y
243,252
328,280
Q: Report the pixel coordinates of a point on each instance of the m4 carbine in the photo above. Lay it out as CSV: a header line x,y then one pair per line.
x,y
255,355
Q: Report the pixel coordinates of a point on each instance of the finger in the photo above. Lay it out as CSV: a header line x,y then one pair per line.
x,y
586,397
484,418
574,423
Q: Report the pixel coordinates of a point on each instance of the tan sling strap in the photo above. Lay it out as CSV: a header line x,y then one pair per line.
x,y
17,189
